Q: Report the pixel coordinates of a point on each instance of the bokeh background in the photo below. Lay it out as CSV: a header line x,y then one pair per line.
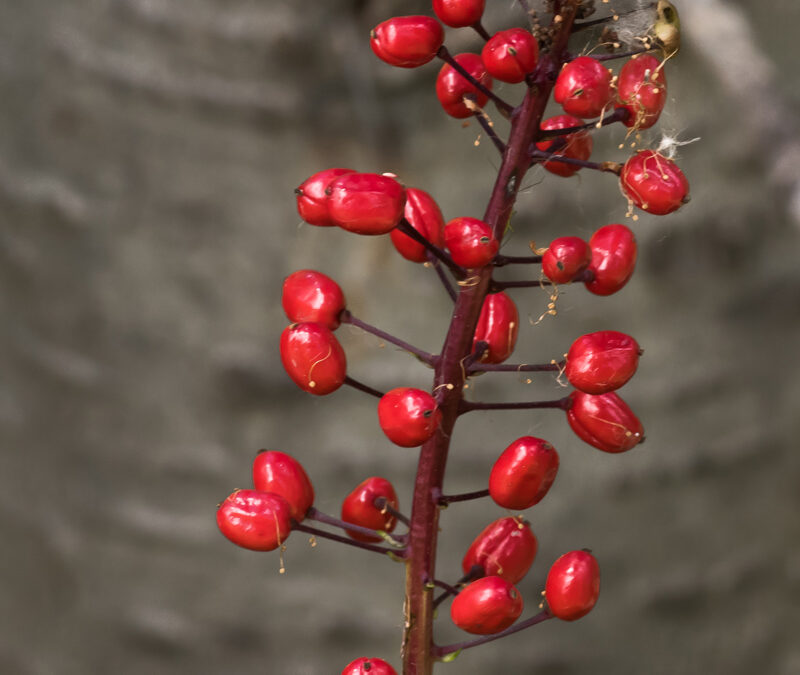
x,y
148,153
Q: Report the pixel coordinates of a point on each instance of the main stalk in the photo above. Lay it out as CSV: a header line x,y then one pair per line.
x,y
449,373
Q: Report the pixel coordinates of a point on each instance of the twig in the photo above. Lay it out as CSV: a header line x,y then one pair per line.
x,y
382,504
442,276
489,130
505,108
409,230
362,387
350,542
559,403
347,317
395,541
444,500
517,367
439,652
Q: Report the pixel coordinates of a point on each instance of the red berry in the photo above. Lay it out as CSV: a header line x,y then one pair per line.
x,y
565,259
277,472
511,54
312,202
613,259
642,90
260,521
572,586
583,87
451,87
471,242
601,362
311,296
366,203
505,548
498,325
423,214
578,145
408,417
358,508
654,183
523,474
486,606
368,666
604,421
407,41
313,357
459,13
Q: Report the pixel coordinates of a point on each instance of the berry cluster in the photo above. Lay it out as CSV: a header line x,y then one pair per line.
x,y
483,333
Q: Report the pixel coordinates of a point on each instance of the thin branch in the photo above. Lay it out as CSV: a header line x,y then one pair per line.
x,y
558,403
517,367
347,317
502,106
480,30
612,18
542,156
362,387
409,230
488,128
475,572
442,276
395,541
382,504
619,115
444,500
444,650
503,260
350,542
586,276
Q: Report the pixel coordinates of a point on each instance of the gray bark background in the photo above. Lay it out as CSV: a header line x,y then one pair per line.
x,y
148,153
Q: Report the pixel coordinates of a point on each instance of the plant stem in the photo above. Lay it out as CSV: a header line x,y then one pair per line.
x,y
444,500
362,387
320,517
383,505
484,121
542,156
621,55
619,115
559,403
418,656
410,231
504,108
439,652
503,260
475,573
347,317
350,542
442,276
516,367
480,30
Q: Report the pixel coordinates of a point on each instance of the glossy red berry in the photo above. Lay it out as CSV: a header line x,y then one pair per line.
x,y
459,13
368,666
578,145
572,586
471,242
498,325
604,421
260,521
486,606
408,417
312,202
366,203
565,259
505,548
424,215
451,87
583,87
654,183
358,508
523,473
613,259
407,41
309,295
601,362
511,54
282,474
313,357
642,90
